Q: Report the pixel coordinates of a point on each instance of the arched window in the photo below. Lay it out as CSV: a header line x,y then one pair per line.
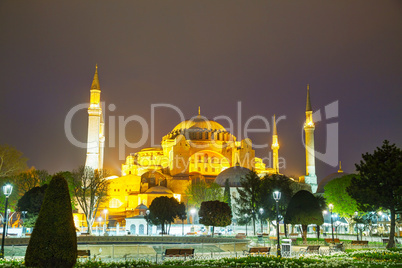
x,y
141,229
132,229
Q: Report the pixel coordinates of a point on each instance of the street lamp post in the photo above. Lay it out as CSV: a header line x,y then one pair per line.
x,y
23,221
193,211
245,215
7,190
331,207
147,221
277,197
100,224
105,225
261,212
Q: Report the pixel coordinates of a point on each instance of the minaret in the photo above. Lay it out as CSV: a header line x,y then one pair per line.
x,y
275,148
311,177
96,137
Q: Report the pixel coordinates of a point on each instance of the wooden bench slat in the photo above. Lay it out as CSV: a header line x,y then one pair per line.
x,y
178,252
83,253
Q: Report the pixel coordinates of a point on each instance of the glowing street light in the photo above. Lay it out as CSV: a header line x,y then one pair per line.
x,y
7,190
148,221
192,212
331,207
277,197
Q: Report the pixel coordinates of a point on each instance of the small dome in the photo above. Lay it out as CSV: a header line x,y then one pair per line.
x,y
234,174
159,190
330,177
141,207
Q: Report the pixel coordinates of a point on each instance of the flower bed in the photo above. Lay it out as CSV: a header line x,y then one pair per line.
x,y
350,258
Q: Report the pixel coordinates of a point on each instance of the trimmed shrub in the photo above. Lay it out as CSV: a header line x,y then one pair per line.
x,y
53,241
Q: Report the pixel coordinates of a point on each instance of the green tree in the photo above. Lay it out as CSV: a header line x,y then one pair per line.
x,y
12,161
379,184
201,191
344,205
90,190
31,202
249,199
163,211
226,194
182,215
270,184
215,213
53,241
304,209
27,180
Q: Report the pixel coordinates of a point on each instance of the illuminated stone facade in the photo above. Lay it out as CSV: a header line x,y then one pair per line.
x,y
96,136
196,149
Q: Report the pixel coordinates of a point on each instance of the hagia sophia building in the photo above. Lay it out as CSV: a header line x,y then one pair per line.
x,y
195,150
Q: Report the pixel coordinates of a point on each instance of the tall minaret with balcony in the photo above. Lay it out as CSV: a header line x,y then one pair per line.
x,y
96,136
275,148
310,177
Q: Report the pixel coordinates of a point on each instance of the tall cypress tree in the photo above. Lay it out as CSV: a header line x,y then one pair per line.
x,y
54,241
249,199
226,194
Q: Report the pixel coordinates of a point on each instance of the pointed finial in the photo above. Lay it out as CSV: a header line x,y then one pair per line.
x,y
274,127
199,110
340,167
95,82
308,103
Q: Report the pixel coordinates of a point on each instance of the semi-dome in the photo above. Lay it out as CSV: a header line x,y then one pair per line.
x,y
233,174
159,190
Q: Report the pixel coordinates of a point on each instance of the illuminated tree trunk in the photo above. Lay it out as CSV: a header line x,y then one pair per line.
x,y
304,233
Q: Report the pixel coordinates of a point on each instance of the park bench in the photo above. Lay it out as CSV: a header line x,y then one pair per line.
x,y
240,235
178,252
311,249
83,253
257,251
330,241
84,234
359,243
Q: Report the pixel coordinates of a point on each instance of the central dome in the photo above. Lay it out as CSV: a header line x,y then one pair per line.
x,y
199,122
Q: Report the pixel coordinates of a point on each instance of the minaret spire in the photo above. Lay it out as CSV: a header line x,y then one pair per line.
x,y
96,136
340,167
308,103
309,127
95,82
199,110
275,147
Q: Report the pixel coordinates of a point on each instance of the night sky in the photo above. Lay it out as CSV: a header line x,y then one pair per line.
x,y
212,54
